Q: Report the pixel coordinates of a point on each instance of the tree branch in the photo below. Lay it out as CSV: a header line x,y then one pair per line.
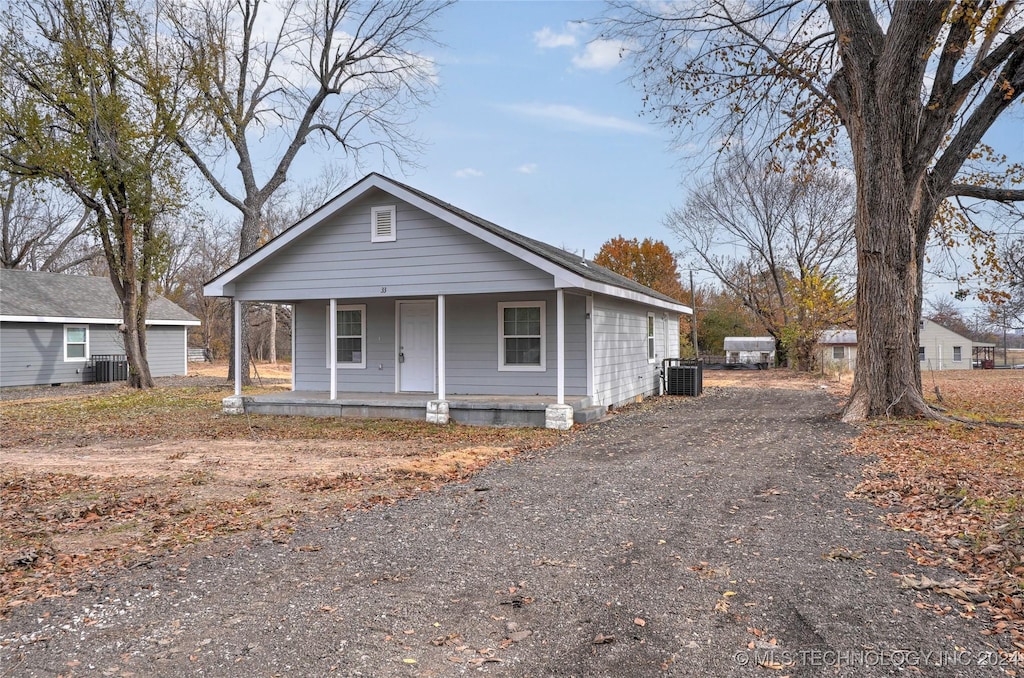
x,y
986,193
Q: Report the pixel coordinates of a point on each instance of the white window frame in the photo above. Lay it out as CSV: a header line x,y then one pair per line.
x,y
502,367
347,307
838,353
922,354
652,344
958,354
374,211
84,358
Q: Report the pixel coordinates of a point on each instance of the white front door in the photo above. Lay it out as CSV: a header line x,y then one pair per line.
x,y
417,337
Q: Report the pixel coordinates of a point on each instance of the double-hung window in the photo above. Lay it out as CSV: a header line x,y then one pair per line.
x,y
650,338
958,354
521,335
838,352
76,343
351,337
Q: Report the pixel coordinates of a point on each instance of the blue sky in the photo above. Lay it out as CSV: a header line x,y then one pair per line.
x,y
536,128
538,131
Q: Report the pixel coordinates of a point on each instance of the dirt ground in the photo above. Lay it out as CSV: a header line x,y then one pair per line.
x,y
97,477
693,537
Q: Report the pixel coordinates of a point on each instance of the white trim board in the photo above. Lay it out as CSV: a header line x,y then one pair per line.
x,y
90,321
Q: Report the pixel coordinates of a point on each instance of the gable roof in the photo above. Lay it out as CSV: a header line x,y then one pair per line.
x,y
846,337
30,296
568,269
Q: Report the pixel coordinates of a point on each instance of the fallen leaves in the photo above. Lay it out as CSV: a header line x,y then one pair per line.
x,y
962,488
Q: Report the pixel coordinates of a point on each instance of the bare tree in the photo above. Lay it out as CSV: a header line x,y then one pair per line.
x,y
913,85
756,228
341,72
41,228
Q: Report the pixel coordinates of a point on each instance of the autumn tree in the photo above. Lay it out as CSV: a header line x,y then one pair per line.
x,y
73,112
757,226
908,88
649,262
818,302
343,73
723,314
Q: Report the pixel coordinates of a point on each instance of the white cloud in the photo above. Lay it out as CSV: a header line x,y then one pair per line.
x,y
528,168
467,173
578,118
600,55
546,38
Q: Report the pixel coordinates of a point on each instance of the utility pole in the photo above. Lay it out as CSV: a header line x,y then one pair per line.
x,y
693,321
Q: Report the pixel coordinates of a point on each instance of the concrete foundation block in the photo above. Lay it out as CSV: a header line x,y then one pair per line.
x,y
233,405
437,411
558,417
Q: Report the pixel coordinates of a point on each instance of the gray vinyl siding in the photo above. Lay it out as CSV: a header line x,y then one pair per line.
x,y
165,349
621,367
428,257
471,330
33,353
311,371
472,334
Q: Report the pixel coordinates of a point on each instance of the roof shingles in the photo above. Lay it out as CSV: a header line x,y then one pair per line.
x,y
54,295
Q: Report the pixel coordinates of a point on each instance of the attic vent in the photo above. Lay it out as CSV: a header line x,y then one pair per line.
x,y
382,224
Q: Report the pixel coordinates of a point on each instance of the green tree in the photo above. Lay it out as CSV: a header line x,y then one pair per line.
x,y
910,86
74,112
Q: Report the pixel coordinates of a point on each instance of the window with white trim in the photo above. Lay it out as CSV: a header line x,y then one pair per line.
x,y
920,353
957,354
383,225
76,343
651,357
351,337
521,334
838,352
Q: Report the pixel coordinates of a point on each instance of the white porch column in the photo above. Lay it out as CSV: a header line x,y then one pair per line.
x,y
560,343
559,416
235,404
437,410
440,348
334,348
238,347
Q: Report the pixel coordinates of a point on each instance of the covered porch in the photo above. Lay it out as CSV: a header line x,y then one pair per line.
x,y
438,358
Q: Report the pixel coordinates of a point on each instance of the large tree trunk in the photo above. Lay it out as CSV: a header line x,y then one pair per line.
x,y
248,243
133,313
889,258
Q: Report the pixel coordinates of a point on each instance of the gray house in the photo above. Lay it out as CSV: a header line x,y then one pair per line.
x,y
53,326
405,305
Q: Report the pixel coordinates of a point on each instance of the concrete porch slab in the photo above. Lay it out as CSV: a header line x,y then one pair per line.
x,y
474,410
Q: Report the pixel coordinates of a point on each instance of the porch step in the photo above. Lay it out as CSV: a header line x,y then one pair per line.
x,y
587,415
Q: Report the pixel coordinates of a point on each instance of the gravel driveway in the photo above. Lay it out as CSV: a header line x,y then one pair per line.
x,y
691,537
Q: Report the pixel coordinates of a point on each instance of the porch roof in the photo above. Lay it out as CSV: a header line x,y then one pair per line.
x,y
569,270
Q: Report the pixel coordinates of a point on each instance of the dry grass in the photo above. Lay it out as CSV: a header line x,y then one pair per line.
x,y
109,478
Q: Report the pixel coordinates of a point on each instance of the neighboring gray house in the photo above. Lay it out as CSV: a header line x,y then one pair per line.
x,y
405,305
839,350
52,326
749,350
939,348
